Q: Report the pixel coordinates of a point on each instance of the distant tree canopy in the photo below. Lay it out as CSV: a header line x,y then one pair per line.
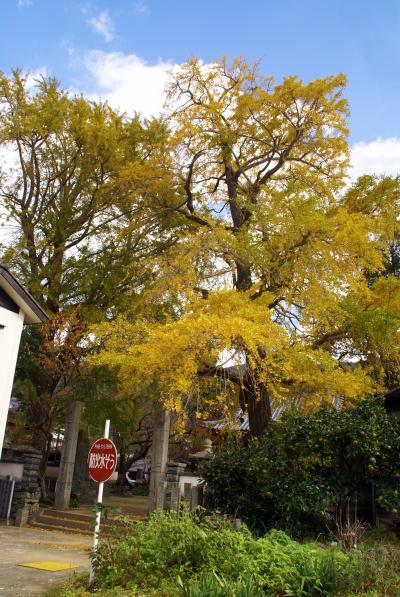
x,y
374,321
266,286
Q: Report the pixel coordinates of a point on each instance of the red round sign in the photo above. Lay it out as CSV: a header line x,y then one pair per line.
x,y
102,459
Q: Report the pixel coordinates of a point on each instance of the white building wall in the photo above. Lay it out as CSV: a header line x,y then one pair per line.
x,y
10,337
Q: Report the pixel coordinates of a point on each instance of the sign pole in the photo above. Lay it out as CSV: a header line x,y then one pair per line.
x,y
98,513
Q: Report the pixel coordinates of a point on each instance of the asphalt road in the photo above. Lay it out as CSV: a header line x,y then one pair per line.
x,y
19,545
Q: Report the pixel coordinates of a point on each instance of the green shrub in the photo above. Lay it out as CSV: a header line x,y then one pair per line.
x,y
201,555
168,546
156,553
233,487
283,566
287,478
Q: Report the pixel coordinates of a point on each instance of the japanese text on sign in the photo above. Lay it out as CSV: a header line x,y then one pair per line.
x,y
101,461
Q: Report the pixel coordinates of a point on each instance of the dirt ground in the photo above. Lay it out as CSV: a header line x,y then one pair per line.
x,y
18,545
135,506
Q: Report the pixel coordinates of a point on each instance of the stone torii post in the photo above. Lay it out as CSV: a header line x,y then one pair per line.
x,y
159,457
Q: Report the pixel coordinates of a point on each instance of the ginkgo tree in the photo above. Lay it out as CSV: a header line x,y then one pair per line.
x,y
271,250
370,316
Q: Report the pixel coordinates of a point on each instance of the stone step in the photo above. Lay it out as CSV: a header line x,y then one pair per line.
x,y
69,521
69,514
59,528
76,514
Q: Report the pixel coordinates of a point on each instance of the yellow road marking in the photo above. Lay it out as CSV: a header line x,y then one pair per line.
x,y
48,565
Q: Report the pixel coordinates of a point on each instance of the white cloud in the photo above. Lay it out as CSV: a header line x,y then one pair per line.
x,y
141,8
33,76
24,3
68,46
381,156
103,25
130,84
127,82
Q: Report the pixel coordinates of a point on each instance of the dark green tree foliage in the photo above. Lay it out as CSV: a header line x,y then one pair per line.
x,y
307,467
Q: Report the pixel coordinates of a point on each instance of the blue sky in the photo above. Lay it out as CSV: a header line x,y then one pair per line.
x,y
120,49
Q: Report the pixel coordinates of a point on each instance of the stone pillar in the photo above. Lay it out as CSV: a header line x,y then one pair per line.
x,y
159,456
30,475
27,491
172,494
174,471
172,497
67,464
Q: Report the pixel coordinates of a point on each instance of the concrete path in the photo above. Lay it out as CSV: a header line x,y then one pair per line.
x,y
19,545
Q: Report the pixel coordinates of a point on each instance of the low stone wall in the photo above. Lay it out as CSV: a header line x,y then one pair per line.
x,y
26,497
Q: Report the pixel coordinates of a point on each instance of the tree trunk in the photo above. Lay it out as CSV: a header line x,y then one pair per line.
x,y
259,412
122,469
254,395
43,466
126,462
258,405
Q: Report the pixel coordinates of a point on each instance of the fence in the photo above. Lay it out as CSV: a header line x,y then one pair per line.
x,y
7,485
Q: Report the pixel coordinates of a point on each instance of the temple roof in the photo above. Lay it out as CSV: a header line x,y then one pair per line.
x,y
20,297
